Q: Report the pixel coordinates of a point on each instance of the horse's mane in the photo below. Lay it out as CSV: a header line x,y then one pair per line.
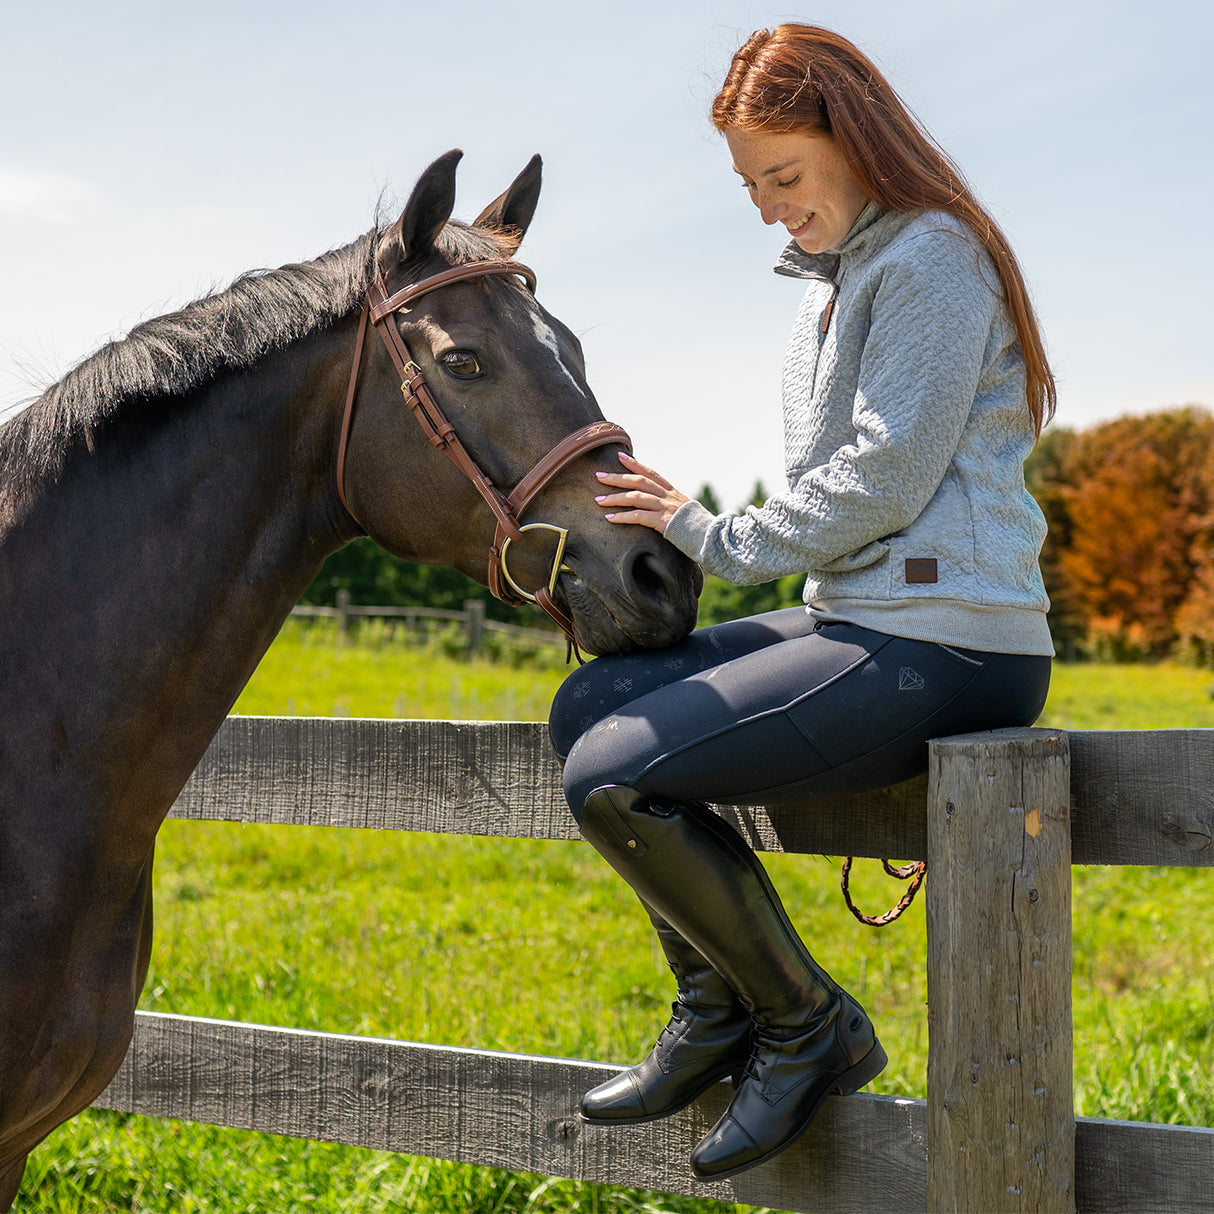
x,y
175,354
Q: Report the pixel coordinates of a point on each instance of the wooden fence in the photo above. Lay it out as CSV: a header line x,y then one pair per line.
x,y
1000,817
471,621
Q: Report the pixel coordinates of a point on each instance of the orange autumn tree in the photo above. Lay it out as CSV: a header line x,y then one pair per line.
x,y
1137,497
1195,617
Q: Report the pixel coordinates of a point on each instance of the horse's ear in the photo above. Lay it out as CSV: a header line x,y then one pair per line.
x,y
510,213
429,207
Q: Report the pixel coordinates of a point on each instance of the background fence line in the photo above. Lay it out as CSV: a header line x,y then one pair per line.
x,y
471,620
994,820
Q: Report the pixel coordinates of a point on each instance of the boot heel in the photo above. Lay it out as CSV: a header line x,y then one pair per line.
x,y
863,1073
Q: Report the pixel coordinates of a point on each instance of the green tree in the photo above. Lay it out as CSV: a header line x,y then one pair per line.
x,y
721,600
709,500
1046,474
374,578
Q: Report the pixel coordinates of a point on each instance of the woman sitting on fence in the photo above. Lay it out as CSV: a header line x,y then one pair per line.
x,y
915,384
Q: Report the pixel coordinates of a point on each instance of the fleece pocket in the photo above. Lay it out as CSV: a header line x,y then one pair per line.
x,y
934,556
862,558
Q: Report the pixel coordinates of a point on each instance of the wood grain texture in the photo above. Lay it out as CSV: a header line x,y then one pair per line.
x,y
1143,796
456,777
1131,1167
1139,797
1001,1121
865,1153
476,778
999,1112
510,1111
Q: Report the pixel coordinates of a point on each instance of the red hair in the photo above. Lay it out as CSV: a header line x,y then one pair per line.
x,y
805,78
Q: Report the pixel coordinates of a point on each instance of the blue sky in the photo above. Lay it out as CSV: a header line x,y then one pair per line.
x,y
150,152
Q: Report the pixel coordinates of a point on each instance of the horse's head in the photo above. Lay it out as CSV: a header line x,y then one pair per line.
x,y
484,356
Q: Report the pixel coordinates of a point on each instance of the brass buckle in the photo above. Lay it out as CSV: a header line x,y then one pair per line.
x,y
557,567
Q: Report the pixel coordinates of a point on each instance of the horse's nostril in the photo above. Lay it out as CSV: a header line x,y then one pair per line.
x,y
650,583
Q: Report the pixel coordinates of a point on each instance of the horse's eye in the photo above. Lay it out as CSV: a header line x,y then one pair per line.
x,y
460,363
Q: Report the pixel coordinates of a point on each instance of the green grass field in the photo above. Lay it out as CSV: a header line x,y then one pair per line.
x,y
424,938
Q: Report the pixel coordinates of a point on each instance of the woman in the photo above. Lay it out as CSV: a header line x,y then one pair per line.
x,y
914,386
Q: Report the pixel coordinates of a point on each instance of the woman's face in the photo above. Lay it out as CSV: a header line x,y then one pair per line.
x,y
801,181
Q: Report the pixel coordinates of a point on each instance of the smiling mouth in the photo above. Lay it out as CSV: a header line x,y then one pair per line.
x,y
797,226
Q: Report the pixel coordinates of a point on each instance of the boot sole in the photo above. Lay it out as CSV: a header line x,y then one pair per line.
x,y
850,1082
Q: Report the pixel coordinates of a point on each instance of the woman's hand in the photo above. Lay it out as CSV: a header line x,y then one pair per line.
x,y
642,495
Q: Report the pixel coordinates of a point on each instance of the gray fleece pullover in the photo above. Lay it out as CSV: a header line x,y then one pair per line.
x,y
905,431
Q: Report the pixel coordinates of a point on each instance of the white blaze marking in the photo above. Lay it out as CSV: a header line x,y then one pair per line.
x,y
548,339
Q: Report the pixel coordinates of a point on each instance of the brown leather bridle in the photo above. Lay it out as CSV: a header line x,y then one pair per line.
x,y
379,307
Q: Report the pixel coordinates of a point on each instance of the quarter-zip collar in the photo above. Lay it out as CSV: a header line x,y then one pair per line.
x,y
874,223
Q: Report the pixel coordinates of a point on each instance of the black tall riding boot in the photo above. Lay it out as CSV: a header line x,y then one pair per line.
x,y
810,1036
707,1038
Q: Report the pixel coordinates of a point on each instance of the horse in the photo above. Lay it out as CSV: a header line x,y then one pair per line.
x,y
164,506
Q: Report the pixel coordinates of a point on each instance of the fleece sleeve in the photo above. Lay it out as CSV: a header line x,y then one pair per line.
x,y
930,314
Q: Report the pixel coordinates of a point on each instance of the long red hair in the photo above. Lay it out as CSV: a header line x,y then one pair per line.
x,y
805,78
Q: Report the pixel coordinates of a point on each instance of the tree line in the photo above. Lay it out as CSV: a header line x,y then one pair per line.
x,y
372,577
1128,561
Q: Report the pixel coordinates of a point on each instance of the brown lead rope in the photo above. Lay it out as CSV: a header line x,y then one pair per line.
x,y
914,871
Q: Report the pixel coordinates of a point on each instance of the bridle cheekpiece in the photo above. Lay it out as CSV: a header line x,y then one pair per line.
x,y
379,307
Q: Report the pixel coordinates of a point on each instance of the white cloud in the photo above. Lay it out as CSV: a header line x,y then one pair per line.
x,y
46,195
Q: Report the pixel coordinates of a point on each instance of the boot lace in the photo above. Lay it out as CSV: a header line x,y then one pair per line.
x,y
678,1013
762,1048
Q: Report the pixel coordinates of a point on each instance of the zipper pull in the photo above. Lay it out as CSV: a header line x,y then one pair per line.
x,y
836,281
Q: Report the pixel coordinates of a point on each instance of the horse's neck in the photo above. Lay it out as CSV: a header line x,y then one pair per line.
x,y
155,574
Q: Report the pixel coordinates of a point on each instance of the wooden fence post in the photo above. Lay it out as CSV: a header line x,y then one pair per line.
x,y
474,611
343,611
1001,1120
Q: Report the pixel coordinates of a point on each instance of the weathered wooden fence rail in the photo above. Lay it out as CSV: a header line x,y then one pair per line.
x,y
1000,817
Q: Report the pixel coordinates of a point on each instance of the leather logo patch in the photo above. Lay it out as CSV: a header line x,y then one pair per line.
x,y
920,570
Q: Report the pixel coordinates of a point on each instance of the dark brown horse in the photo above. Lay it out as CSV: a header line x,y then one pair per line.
x,y
164,506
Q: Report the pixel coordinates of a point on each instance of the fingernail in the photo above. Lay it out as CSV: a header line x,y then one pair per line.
x,y
602,475
601,498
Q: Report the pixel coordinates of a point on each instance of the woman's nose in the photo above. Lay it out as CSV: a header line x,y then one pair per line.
x,y
769,210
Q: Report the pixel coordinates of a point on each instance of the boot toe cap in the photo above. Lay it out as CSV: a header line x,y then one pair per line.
x,y
618,1099
727,1148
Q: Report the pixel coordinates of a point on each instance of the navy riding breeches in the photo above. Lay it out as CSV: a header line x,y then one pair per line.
x,y
778,708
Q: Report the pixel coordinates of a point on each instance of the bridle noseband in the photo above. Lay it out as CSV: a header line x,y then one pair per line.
x,y
379,307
